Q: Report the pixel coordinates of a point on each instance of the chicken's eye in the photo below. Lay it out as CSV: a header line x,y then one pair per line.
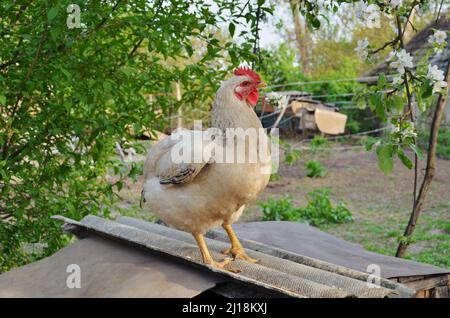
x,y
245,84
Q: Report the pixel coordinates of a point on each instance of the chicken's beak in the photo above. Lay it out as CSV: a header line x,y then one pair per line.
x,y
262,85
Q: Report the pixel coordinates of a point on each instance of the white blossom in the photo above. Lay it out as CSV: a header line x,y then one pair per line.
x,y
434,73
439,86
439,40
273,97
436,76
408,130
361,48
370,14
395,3
397,79
402,60
438,37
323,4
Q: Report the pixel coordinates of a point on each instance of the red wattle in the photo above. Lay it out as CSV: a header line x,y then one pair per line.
x,y
252,98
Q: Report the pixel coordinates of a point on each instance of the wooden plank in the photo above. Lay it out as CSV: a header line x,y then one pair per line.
x,y
441,292
409,279
421,294
428,283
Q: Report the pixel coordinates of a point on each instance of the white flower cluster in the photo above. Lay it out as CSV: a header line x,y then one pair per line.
x,y
408,130
400,60
395,3
439,40
361,48
436,76
274,97
438,37
369,13
397,79
324,5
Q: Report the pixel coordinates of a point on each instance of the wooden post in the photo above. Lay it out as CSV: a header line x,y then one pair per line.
x,y
283,105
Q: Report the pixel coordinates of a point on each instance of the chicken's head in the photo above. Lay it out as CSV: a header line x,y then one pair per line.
x,y
247,84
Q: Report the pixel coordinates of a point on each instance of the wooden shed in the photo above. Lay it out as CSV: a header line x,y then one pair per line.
x,y
303,115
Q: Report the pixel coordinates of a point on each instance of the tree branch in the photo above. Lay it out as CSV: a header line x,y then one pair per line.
x,y
429,170
385,45
103,21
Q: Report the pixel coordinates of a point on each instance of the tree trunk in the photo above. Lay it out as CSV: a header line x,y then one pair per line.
x,y
301,36
179,111
429,171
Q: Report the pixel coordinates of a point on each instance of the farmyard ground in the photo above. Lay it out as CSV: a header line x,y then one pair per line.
x,y
380,204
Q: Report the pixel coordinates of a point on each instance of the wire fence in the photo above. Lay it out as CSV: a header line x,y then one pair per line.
x,y
362,133
342,80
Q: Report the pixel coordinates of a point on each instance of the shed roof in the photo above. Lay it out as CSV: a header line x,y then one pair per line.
x,y
300,261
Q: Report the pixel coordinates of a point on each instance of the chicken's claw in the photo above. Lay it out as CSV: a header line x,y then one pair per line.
x,y
240,254
222,264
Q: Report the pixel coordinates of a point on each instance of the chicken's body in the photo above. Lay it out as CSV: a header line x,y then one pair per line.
x,y
198,197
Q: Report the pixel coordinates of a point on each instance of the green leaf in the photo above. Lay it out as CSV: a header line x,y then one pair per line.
x,y
2,99
381,80
189,50
398,102
404,158
52,13
427,89
54,33
315,22
231,28
370,142
417,150
385,158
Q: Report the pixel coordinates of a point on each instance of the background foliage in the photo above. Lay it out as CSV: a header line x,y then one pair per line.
x,y
66,95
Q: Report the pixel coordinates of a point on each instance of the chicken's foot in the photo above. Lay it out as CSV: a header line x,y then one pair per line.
x,y
207,258
236,250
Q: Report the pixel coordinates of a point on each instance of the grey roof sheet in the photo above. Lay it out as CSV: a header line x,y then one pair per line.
x,y
300,261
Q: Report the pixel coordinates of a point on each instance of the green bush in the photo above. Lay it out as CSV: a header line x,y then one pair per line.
x,y
318,211
315,169
279,210
68,94
319,142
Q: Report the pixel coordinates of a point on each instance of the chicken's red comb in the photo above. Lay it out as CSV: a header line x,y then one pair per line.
x,y
244,70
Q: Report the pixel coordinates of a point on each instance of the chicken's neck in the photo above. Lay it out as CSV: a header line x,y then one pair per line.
x,y
229,112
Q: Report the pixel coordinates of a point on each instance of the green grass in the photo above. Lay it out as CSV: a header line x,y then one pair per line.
x,y
431,239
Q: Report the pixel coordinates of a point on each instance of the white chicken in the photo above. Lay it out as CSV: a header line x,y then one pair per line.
x,y
197,196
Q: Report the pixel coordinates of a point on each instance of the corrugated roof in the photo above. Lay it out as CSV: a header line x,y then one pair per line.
x,y
297,276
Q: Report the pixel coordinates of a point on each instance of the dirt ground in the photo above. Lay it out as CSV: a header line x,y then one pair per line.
x,y
380,204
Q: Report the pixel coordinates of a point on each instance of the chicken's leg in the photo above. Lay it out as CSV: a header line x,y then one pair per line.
x,y
236,247
207,259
